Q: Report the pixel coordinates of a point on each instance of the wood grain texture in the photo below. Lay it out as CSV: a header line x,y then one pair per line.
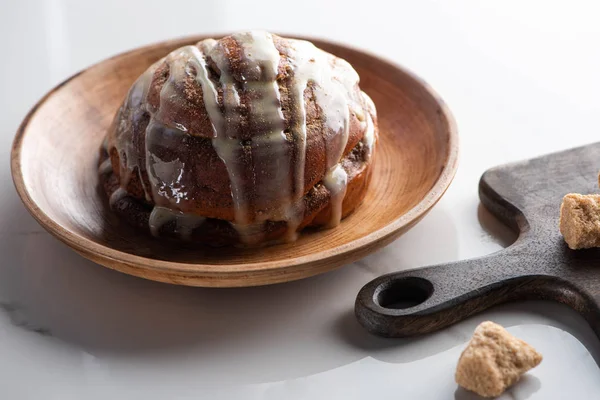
x,y
54,160
526,196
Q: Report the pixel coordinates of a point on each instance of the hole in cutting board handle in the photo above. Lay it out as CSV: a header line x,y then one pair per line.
x,y
404,293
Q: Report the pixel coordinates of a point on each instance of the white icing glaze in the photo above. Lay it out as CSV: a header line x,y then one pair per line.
x,y
225,142
360,114
116,196
262,58
105,143
276,189
124,133
333,91
159,217
105,167
123,136
165,176
184,223
369,103
369,137
250,234
332,88
268,149
336,181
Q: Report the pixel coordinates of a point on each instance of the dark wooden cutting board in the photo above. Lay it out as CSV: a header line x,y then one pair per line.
x,y
526,196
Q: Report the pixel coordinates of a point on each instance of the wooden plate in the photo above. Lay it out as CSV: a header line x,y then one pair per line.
x,y
54,160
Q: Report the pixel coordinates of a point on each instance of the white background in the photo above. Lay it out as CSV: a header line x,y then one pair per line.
x,y
522,78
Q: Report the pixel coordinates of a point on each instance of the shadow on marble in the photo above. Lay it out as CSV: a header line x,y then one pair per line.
x,y
54,291
463,394
49,288
557,315
526,387
412,349
407,350
397,350
521,390
412,251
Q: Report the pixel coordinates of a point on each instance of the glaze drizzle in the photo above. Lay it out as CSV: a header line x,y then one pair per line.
x,y
267,182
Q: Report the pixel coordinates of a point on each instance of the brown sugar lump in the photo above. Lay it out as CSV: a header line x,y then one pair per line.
x,y
580,220
494,360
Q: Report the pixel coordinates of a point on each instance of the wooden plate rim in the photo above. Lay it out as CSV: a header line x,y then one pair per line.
x,y
86,246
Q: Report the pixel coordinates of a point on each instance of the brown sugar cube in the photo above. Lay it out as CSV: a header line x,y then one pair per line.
x,y
580,220
494,360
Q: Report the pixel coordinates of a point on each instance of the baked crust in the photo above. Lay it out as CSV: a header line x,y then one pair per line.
x,y
216,232
182,132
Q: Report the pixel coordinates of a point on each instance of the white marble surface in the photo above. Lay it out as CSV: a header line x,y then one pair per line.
x,y
522,79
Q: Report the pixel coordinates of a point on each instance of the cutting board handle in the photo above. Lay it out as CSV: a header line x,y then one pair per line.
x,y
424,300
526,197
